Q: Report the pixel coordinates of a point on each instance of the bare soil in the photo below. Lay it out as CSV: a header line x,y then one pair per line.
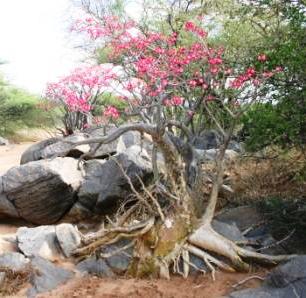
x,y
200,286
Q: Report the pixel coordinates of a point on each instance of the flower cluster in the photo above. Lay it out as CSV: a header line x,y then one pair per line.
x,y
192,27
174,101
157,68
111,112
78,90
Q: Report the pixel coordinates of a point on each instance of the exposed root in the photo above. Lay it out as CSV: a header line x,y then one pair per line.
x,y
206,238
112,235
208,258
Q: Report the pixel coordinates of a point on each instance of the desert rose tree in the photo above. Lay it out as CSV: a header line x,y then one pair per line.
x,y
78,94
178,85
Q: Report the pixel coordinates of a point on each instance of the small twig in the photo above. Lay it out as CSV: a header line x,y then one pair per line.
x,y
247,279
138,195
252,227
159,210
277,242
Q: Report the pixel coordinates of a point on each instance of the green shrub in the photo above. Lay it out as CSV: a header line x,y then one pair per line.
x,y
19,109
282,124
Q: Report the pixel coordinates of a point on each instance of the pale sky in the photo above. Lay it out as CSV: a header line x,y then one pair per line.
x,y
35,41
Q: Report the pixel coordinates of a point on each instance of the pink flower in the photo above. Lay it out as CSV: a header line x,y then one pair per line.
x,y
278,69
130,87
214,69
268,74
262,58
177,100
112,112
167,103
250,72
192,83
256,82
190,113
189,26
215,61
210,97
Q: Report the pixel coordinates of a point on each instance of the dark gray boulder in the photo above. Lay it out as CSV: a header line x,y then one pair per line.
x,y
46,276
120,261
285,281
96,267
65,147
14,261
104,183
288,273
209,139
34,152
78,213
43,191
234,145
228,230
7,209
243,216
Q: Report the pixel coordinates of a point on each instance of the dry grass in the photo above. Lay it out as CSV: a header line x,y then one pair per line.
x,y
14,281
255,179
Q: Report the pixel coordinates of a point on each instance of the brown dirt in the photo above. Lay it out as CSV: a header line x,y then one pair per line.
x,y
194,287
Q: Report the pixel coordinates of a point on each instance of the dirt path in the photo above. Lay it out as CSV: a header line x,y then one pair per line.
x,y
10,155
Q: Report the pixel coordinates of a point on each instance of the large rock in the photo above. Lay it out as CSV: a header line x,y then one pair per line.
x,y
46,276
68,238
209,139
96,267
14,261
43,191
7,209
105,184
64,146
211,155
40,241
34,152
229,231
79,213
119,145
120,261
3,141
286,280
243,216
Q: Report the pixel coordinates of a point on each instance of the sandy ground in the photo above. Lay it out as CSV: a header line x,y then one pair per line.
x,y
10,155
